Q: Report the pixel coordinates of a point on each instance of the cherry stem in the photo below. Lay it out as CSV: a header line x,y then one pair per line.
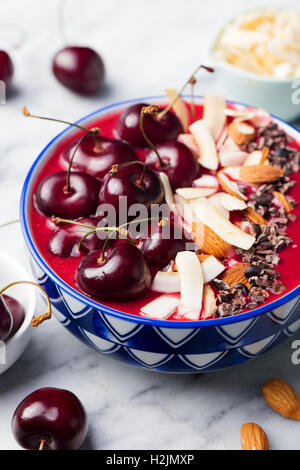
x,y
114,169
153,111
11,222
95,131
191,78
69,189
192,83
36,321
42,444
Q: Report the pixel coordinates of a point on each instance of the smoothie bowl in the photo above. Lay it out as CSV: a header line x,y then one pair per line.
x,y
207,282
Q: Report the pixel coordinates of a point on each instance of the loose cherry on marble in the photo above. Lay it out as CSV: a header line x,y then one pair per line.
x,y
157,129
66,194
81,69
134,180
6,68
50,419
173,158
97,160
65,241
120,274
161,246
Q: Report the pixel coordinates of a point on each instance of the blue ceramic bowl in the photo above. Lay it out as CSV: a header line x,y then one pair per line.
x,y
165,346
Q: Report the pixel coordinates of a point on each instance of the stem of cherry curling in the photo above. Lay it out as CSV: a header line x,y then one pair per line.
x,y
114,169
36,321
171,104
152,111
94,131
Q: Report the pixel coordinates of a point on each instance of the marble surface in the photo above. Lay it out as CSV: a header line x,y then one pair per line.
x,y
146,46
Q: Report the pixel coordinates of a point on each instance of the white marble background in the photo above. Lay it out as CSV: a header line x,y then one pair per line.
x,y
146,46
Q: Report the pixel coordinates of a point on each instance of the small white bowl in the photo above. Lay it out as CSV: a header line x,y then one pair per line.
x,y
273,94
13,271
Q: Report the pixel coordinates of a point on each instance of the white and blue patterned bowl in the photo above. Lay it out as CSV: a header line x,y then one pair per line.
x,y
165,346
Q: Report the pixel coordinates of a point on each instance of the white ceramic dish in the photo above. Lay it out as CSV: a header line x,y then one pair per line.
x,y
12,271
278,96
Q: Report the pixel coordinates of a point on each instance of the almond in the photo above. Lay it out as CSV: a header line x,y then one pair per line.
x,y
241,132
283,201
229,186
282,398
209,302
254,216
208,241
253,437
236,274
261,173
265,153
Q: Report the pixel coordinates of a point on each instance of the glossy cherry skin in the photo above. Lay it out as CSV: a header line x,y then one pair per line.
x,y
179,163
53,199
98,161
6,321
64,242
127,183
52,414
6,68
17,313
157,131
123,275
161,246
80,69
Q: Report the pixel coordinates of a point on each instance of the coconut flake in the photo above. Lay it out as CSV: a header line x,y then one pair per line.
x,y
191,279
213,114
232,203
211,268
167,282
205,142
160,308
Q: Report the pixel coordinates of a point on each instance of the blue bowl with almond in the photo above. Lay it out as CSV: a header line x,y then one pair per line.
x,y
224,293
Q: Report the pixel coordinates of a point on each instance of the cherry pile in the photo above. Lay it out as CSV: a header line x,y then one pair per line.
x,y
99,171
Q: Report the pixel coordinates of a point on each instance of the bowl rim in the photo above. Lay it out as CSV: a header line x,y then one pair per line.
x,y
238,70
108,310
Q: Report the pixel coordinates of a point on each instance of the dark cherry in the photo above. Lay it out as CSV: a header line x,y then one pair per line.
x,y
158,131
161,246
6,321
64,242
179,164
98,160
53,198
50,419
122,275
6,68
127,182
80,69
17,312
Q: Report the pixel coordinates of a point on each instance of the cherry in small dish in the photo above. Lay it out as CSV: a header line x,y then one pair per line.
x,y
122,274
50,419
6,68
158,129
81,69
6,320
